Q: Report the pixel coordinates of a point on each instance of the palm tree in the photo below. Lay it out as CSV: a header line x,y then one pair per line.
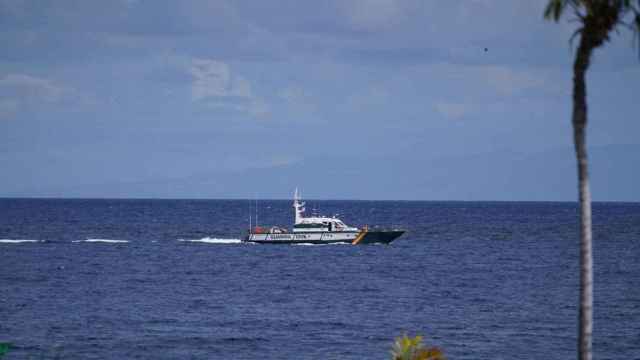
x,y
597,19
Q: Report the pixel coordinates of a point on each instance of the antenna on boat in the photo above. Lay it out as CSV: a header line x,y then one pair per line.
x,y
249,216
256,198
298,207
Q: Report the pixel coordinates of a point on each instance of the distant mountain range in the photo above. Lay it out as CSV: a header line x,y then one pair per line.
x,y
502,176
546,176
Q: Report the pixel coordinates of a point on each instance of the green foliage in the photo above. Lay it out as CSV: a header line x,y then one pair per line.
x,y
597,18
406,348
554,9
4,348
604,13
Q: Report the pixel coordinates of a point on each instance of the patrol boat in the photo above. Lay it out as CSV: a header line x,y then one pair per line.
x,y
319,230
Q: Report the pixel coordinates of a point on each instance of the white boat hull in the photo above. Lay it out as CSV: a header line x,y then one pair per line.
x,y
313,238
318,230
352,237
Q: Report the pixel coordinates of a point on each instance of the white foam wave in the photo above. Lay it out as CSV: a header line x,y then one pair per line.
x,y
111,241
17,241
209,240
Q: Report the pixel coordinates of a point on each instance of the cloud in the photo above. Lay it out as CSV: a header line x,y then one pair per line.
x,y
374,15
26,86
374,96
216,85
298,102
507,81
20,91
213,79
451,110
258,108
292,94
488,81
131,3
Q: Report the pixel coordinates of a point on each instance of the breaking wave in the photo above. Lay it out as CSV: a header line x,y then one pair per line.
x,y
18,241
111,241
209,240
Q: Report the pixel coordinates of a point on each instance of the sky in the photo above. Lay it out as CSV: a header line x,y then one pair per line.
x,y
372,99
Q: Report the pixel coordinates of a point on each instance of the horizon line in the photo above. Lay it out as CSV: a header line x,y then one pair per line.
x,y
309,199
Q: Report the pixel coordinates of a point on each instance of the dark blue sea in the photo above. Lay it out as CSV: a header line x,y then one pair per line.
x,y
168,279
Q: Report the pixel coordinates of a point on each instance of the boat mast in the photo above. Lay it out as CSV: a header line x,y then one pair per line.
x,y
298,207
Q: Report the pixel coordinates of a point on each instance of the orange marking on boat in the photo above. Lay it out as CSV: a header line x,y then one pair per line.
x,y
359,237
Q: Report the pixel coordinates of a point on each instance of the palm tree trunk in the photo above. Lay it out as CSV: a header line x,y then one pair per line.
x,y
579,120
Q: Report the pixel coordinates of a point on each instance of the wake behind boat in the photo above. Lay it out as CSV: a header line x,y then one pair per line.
x,y
319,230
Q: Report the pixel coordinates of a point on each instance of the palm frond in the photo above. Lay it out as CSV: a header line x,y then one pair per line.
x,y
573,36
554,9
636,30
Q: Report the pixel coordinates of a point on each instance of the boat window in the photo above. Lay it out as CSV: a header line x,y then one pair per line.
x,y
309,226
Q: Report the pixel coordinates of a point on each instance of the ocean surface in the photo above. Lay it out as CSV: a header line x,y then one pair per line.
x,y
169,279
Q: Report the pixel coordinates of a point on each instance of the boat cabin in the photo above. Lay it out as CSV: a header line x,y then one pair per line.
x,y
321,224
